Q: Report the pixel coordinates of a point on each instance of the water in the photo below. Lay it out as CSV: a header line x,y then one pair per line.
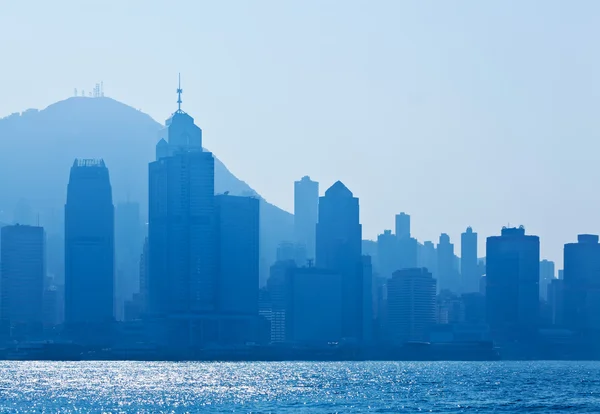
x,y
255,387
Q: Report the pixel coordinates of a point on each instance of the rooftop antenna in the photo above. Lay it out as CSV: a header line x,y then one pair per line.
x,y
179,92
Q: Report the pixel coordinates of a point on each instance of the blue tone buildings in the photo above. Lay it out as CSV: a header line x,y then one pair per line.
x,y
469,269
23,271
582,283
512,282
238,233
314,306
402,225
306,213
89,244
182,228
547,273
339,240
447,276
411,307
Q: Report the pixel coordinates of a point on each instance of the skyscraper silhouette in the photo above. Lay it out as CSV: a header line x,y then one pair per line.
x,y
306,213
411,305
339,235
469,269
182,229
447,276
238,235
89,244
23,270
512,282
547,275
582,283
402,225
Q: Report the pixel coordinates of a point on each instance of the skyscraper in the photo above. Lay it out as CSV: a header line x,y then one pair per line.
x,y
89,244
582,283
469,269
238,220
402,225
411,305
306,213
388,253
512,282
339,240
182,228
447,276
23,271
427,257
547,275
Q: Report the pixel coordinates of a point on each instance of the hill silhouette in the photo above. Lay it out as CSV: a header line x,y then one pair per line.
x,y
37,149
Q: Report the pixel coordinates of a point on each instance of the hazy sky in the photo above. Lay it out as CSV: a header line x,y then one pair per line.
x,y
460,113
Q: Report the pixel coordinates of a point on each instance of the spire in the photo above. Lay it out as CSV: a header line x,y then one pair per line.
x,y
179,92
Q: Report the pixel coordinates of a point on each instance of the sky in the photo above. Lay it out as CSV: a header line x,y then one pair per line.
x,y
461,113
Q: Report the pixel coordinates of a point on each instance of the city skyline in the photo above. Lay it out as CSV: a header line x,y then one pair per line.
x,y
199,274
259,79
390,225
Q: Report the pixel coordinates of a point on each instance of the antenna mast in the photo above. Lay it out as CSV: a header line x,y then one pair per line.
x,y
179,92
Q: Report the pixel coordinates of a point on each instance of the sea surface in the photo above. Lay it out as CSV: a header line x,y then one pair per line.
x,y
299,387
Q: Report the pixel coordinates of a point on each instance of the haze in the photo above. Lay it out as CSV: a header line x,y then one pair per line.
x,y
459,113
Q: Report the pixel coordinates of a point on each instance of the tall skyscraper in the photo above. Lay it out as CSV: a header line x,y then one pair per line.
x,y
469,269
582,283
447,276
238,234
427,257
182,228
402,225
512,282
23,271
89,244
339,240
388,253
547,275
306,213
411,305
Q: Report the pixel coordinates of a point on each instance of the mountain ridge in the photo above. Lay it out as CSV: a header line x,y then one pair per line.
x,y
37,149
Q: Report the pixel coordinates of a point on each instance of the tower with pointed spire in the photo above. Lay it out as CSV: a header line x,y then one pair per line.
x,y
180,133
182,226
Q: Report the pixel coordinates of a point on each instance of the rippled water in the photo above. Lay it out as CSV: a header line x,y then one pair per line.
x,y
257,387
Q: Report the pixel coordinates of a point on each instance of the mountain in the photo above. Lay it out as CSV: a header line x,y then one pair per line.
x,y
37,149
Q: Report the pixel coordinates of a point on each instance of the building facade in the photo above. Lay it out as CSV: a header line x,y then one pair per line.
x,y
512,282
238,233
182,226
89,244
23,269
582,283
547,275
447,276
306,213
411,305
339,242
314,306
469,269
